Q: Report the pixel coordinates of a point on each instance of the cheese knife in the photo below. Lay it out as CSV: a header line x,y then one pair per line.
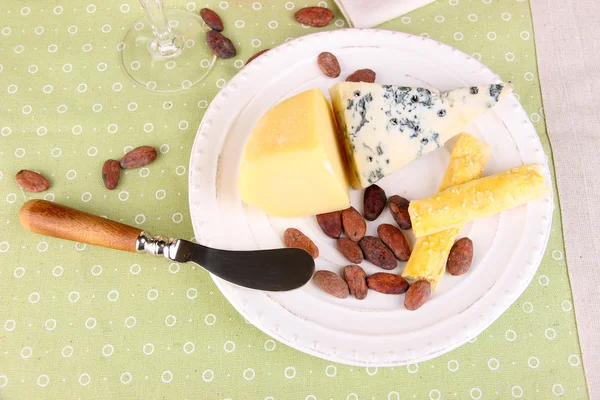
x,y
270,270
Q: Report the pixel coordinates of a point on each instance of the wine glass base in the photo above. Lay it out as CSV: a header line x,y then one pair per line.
x,y
175,72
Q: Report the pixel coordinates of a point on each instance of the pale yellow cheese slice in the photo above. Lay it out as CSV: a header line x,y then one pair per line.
x,y
476,199
292,165
430,253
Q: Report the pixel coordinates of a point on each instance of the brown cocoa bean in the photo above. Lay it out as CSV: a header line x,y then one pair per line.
x,y
331,283
399,209
460,257
212,19
331,223
31,181
256,55
314,16
292,237
375,251
362,75
350,250
111,173
395,240
384,282
354,224
220,45
138,157
417,294
355,277
328,64
374,201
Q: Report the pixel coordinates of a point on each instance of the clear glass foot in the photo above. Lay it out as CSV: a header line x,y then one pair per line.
x,y
171,62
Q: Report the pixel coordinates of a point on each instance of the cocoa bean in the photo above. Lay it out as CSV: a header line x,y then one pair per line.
x,y
31,181
362,75
292,237
111,173
384,282
256,55
375,251
220,45
350,250
399,209
138,157
212,19
417,294
355,277
329,64
460,257
331,223
314,16
374,202
395,240
331,283
354,224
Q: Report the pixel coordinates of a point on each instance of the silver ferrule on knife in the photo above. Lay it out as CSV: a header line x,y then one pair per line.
x,y
156,245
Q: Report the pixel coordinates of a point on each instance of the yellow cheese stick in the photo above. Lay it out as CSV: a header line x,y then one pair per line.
x,y
476,199
429,256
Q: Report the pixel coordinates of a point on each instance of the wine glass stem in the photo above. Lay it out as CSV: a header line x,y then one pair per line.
x,y
166,43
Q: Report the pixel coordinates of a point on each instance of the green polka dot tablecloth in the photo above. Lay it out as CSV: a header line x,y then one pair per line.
x,y
78,321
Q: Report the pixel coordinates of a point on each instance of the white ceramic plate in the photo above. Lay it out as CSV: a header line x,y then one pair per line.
x,y
377,331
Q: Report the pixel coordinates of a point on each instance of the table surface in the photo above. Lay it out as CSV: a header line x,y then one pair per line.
x,y
86,322
569,55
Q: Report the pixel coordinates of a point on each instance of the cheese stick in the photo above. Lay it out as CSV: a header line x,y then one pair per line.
x,y
430,253
476,199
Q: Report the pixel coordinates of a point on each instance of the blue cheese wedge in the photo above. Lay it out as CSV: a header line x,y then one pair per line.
x,y
384,127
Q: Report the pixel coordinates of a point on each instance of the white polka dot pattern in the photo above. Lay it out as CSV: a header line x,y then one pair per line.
x,y
79,320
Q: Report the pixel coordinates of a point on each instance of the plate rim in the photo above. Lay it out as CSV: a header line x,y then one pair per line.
x,y
478,327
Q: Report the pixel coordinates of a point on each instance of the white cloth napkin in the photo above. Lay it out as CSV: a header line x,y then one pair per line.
x,y
368,13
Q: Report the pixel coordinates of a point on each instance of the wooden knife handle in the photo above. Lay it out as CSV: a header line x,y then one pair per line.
x,y
51,219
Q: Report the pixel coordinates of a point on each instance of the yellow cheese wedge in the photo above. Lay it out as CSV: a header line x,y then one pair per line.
x,y
476,199
292,165
430,253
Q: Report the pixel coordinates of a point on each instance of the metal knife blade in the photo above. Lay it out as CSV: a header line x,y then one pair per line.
x,y
270,270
